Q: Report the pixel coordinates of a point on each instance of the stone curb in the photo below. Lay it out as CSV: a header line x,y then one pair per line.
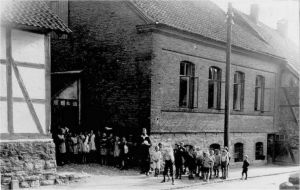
x,y
230,179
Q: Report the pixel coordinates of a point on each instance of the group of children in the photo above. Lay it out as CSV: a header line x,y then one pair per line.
x,y
88,147
193,161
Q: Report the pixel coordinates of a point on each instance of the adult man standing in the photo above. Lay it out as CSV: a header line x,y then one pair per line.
x,y
145,144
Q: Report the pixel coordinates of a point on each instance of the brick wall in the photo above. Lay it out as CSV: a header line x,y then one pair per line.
x,y
204,140
115,60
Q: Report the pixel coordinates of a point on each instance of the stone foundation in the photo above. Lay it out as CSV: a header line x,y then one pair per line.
x,y
27,163
204,140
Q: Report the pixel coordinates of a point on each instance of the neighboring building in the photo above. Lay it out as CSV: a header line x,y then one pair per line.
x,y
161,65
27,151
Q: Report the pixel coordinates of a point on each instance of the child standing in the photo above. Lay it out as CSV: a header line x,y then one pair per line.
x,y
217,163
92,147
207,161
117,151
168,158
224,163
103,149
74,139
156,156
245,167
86,147
124,153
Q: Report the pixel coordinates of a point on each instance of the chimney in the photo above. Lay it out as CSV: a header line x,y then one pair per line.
x,y
254,13
282,27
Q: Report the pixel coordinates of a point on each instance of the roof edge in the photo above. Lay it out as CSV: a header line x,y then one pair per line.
x,y
160,27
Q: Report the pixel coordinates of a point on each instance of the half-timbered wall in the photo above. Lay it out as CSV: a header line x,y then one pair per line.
x,y
28,51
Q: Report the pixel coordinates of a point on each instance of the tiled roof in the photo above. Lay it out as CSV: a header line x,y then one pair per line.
x,y
32,13
283,46
205,18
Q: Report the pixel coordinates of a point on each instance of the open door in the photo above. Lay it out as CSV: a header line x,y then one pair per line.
x,y
66,100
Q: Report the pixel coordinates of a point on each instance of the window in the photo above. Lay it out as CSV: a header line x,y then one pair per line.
x,y
188,89
214,87
259,151
238,91
259,93
238,152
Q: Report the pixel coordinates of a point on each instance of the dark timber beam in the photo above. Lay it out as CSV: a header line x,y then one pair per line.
x,y
9,81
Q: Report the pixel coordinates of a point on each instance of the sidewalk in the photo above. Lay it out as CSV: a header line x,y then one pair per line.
x,y
107,178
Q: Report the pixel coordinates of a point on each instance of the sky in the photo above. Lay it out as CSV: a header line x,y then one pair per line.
x,y
270,12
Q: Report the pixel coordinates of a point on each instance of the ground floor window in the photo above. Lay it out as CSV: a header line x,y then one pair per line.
x,y
259,151
238,152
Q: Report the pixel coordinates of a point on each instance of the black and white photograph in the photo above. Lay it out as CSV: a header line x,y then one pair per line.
x,y
149,94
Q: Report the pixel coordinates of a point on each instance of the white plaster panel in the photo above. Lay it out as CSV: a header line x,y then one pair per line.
x,y
3,117
3,43
28,47
23,121
3,80
34,81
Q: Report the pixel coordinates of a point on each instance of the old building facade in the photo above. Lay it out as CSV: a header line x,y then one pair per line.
x,y
144,66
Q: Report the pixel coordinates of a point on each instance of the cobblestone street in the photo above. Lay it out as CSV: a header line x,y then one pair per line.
x,y
112,178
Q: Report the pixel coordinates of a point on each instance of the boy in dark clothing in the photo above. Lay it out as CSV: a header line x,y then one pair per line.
x,y
178,153
168,158
245,167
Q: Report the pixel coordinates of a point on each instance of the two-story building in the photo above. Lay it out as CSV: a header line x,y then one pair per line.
x,y
161,65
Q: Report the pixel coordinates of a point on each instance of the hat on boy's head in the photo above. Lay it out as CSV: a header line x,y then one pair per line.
x,y
226,148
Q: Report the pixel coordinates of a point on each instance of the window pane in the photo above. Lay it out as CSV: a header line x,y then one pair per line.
x,y
182,65
257,98
183,91
195,92
211,94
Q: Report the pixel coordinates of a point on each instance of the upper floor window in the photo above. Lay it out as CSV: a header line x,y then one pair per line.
x,y
188,85
238,90
259,93
214,87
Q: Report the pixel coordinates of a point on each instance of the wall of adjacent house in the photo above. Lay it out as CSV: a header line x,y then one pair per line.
x,y
287,120
115,60
183,124
28,52
26,155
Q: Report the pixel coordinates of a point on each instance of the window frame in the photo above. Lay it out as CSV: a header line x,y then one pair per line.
x,y
217,84
240,84
259,106
188,72
259,153
238,156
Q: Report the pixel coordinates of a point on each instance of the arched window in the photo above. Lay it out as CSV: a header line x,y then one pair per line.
x,y
215,146
259,151
238,152
238,90
214,87
259,93
188,85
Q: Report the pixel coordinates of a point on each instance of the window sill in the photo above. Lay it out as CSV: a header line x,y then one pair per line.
x,y
215,111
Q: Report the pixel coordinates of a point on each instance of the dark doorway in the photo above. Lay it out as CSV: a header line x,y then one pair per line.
x,y
66,100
